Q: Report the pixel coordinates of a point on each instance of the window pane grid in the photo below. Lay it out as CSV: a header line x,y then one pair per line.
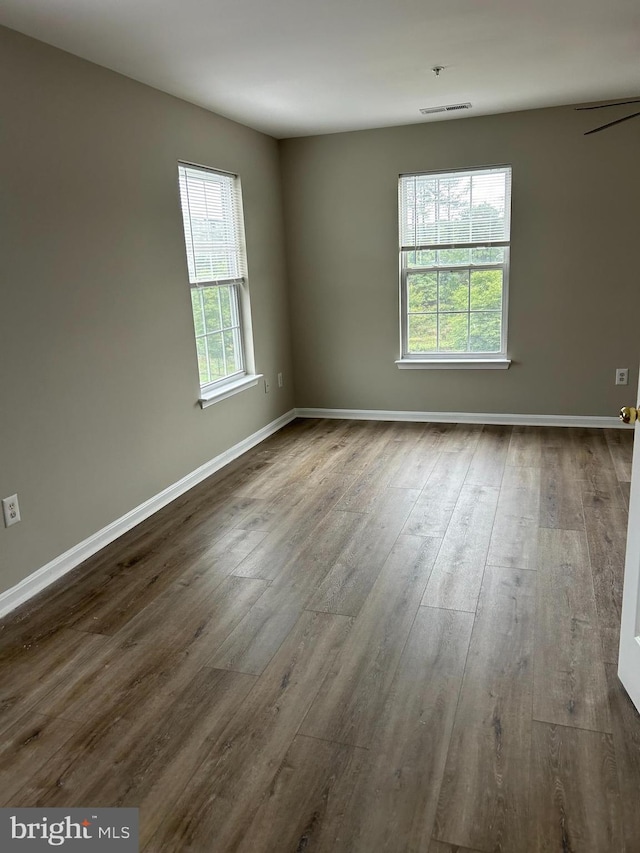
x,y
454,310
218,333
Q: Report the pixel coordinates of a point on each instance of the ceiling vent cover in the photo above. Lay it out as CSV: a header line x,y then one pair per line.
x,y
449,108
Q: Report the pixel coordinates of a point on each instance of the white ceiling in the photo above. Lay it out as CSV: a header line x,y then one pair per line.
x,y
299,67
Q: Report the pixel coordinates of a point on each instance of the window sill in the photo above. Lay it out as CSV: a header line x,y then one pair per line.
x,y
211,397
453,363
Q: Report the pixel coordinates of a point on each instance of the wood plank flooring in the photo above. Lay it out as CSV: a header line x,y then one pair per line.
x,y
357,637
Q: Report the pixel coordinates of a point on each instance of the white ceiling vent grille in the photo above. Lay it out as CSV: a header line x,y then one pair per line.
x,y
449,108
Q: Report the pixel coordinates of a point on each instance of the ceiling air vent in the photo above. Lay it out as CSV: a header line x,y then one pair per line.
x,y
449,108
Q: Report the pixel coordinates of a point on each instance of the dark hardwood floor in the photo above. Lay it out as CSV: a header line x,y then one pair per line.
x,y
357,637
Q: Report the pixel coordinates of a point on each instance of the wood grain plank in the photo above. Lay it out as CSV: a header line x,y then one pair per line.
x,y
625,489
354,692
305,803
244,467
515,531
606,521
457,574
460,437
268,515
27,745
224,555
620,443
593,458
192,618
483,798
626,739
305,436
525,447
119,676
30,673
408,432
569,685
257,637
560,500
575,802
215,808
33,623
415,469
558,451
418,463
560,491
289,477
280,475
395,795
489,460
371,486
442,847
290,536
349,581
144,759
435,505
359,447
148,572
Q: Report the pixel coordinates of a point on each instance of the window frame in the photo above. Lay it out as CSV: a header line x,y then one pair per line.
x,y
464,357
238,293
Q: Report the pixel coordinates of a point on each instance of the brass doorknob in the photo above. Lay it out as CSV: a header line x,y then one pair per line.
x,y
628,414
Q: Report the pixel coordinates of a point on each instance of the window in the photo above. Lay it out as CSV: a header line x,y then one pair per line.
x,y
454,248
214,237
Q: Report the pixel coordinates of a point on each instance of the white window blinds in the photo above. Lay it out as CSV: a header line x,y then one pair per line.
x,y
212,218
450,209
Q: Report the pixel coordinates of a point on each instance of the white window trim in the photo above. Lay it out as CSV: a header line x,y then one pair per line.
x,y
501,363
463,360
228,389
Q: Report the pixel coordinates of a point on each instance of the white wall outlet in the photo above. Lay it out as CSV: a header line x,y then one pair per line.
x,y
280,380
11,510
267,386
622,376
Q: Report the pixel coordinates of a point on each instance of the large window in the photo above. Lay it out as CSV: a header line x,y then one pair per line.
x,y
214,237
454,247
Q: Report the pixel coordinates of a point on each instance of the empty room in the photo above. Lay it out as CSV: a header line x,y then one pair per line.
x,y
320,332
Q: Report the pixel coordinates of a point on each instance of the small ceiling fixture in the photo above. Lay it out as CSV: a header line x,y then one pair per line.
x,y
437,69
446,108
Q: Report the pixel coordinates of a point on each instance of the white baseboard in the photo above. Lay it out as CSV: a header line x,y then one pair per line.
x,y
465,418
46,575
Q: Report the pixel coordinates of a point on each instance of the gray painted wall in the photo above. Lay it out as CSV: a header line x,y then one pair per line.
x,y
98,374
574,289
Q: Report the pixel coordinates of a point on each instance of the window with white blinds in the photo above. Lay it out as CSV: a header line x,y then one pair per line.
x,y
454,248
216,260
212,217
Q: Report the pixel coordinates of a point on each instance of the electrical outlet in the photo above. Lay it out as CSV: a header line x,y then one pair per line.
x,y
622,376
280,380
11,510
267,386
